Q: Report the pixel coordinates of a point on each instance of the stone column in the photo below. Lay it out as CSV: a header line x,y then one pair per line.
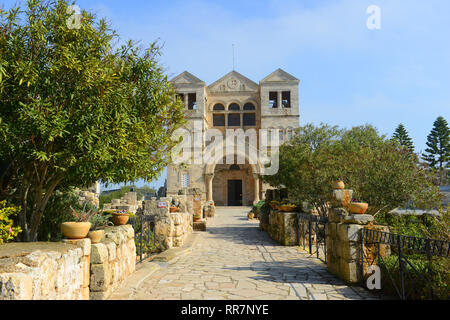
x,y
280,101
256,180
209,186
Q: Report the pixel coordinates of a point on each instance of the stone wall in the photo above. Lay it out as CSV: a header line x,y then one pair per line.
x,y
112,261
283,227
68,270
128,202
45,271
344,251
171,229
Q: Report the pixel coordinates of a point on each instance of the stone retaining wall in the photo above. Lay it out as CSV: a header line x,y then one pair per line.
x,y
68,270
44,271
171,229
112,261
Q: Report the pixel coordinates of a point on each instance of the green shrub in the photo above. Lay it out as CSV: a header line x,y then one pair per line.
x,y
58,211
7,230
418,280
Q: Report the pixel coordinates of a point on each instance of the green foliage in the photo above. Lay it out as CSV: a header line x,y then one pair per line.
x,y
75,110
100,220
8,231
438,152
379,172
58,211
149,244
402,137
418,280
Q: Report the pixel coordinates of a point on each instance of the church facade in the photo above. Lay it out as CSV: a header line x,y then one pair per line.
x,y
232,102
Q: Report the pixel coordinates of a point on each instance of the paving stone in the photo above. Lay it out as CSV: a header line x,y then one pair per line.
x,y
236,261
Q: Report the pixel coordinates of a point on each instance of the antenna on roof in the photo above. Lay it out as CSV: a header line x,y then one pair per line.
x,y
233,55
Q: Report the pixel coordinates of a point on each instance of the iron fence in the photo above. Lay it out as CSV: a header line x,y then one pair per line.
x,y
312,234
144,235
410,263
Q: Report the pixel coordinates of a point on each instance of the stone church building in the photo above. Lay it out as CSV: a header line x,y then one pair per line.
x,y
233,102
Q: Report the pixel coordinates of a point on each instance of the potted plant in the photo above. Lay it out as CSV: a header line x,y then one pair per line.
x,y
98,221
274,204
79,227
339,184
197,217
358,207
120,218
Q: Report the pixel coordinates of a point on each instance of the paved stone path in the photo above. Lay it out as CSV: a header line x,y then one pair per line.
x,y
235,260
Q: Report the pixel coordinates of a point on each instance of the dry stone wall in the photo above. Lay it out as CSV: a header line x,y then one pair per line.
x,y
171,229
68,270
45,271
283,227
112,261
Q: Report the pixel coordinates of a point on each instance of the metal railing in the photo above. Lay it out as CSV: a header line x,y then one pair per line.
x,y
400,258
144,236
312,234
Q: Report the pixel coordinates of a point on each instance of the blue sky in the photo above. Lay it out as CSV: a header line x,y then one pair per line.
x,y
349,75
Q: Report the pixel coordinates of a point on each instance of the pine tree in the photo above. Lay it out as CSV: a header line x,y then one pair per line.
x,y
402,137
438,152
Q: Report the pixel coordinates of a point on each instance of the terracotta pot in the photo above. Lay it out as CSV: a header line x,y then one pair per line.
x,y
96,236
339,185
120,219
75,230
358,207
174,209
197,218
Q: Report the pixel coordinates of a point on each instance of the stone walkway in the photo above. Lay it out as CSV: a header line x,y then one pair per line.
x,y
235,260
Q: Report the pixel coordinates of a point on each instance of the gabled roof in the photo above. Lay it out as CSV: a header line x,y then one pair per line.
x,y
234,75
279,75
186,78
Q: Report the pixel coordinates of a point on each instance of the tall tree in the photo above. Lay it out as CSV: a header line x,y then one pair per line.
x,y
74,109
402,137
438,152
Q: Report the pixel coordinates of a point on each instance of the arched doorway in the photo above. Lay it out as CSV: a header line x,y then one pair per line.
x,y
233,185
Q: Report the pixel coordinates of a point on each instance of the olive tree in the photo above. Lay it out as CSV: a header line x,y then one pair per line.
x,y
77,107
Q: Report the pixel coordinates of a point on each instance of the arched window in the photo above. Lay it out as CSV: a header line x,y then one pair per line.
x,y
281,135
234,107
249,106
235,167
219,107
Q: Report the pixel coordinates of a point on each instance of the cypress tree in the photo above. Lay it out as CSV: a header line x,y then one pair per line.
x,y
402,137
438,152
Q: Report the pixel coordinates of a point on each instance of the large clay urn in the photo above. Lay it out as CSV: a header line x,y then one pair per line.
x,y
96,236
358,207
120,219
75,230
